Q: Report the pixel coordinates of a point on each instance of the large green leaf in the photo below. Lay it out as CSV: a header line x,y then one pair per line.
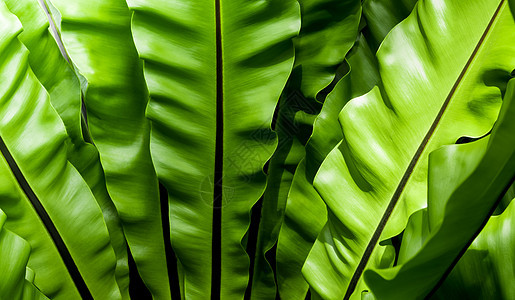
x,y
377,177
215,70
465,182
300,228
15,278
315,67
97,37
305,211
47,201
58,78
487,269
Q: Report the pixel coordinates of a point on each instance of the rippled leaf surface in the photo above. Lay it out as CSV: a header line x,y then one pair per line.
x,y
97,37
465,182
377,177
46,200
215,70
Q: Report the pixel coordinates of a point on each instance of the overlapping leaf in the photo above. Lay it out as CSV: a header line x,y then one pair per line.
x,y
315,67
58,78
382,15
487,269
376,178
465,182
46,200
300,228
15,278
97,37
215,70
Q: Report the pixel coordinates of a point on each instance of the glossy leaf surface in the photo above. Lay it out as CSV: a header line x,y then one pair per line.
x,y
465,182
97,37
15,278
376,178
58,78
62,221
215,70
323,149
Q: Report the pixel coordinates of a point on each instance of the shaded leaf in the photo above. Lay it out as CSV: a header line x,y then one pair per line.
x,y
487,269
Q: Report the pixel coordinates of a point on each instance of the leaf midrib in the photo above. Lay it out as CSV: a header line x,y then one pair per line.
x,y
49,225
216,242
407,174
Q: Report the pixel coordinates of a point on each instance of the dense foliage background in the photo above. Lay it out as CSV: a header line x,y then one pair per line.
x,y
268,149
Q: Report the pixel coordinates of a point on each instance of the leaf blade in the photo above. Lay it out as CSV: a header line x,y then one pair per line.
x,y
98,39
367,124
192,75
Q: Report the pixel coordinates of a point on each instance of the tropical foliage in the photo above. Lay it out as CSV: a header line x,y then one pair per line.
x,y
271,149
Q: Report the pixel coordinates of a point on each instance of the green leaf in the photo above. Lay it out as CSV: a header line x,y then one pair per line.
x,y
382,15
506,200
58,78
97,37
30,291
377,177
291,127
315,67
46,199
363,75
465,182
486,270
328,31
301,229
15,278
303,219
215,70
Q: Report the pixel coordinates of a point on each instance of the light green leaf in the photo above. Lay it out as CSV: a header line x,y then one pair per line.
x,y
46,199
300,229
315,67
15,279
215,70
465,182
59,79
97,37
377,177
